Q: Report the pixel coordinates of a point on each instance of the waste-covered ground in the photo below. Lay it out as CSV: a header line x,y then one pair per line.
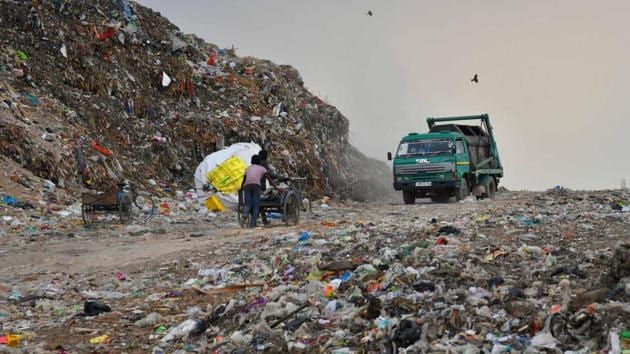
x,y
531,272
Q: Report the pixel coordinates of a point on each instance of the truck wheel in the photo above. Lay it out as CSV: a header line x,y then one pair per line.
x,y
462,192
492,188
440,198
409,197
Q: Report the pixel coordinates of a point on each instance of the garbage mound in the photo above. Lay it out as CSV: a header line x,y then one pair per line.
x,y
92,92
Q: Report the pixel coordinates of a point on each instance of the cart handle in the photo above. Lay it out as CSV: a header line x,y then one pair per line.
x,y
287,178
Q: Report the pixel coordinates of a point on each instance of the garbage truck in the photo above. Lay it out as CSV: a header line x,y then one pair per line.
x,y
453,159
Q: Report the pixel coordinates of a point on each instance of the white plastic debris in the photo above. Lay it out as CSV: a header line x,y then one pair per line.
x,y
166,80
544,340
182,330
241,339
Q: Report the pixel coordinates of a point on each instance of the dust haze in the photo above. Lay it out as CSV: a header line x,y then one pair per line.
x,y
552,75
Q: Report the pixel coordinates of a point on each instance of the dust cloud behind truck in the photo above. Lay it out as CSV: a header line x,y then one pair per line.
x,y
451,160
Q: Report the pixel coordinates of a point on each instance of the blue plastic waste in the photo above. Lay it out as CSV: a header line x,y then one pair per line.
x,y
271,215
126,9
9,200
304,236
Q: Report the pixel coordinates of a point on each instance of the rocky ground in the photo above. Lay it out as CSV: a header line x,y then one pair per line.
x,y
530,272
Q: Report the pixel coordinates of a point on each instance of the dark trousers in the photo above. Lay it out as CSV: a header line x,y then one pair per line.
x,y
252,202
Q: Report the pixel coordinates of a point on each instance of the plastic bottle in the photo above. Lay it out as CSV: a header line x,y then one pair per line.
x,y
150,320
180,331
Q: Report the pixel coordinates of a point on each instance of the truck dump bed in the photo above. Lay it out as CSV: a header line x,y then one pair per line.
x,y
482,150
476,138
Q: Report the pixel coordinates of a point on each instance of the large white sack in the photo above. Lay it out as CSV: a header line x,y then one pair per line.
x,y
244,151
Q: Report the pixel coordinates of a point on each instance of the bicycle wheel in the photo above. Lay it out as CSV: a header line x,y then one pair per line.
x,y
145,203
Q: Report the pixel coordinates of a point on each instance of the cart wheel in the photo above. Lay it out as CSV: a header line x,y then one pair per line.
x,y
146,204
291,209
124,208
87,213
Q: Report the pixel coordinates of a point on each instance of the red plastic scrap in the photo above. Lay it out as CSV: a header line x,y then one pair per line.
x,y
534,327
548,249
555,309
109,33
103,150
441,241
212,59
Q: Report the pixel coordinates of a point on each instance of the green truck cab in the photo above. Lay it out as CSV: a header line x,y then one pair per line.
x,y
451,160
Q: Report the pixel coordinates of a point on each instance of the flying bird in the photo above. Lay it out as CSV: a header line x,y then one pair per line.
x,y
370,13
474,79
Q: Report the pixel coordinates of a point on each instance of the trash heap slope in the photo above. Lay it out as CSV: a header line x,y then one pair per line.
x,y
111,89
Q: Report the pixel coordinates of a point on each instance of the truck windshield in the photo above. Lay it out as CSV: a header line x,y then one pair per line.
x,y
425,147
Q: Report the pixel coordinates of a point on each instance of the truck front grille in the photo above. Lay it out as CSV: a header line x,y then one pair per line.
x,y
424,168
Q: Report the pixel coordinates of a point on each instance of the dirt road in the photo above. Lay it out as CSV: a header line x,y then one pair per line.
x,y
110,246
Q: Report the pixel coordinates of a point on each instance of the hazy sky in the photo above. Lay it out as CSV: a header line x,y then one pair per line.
x,y
554,75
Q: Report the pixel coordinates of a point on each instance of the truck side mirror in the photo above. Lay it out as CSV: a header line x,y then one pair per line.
x,y
389,156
